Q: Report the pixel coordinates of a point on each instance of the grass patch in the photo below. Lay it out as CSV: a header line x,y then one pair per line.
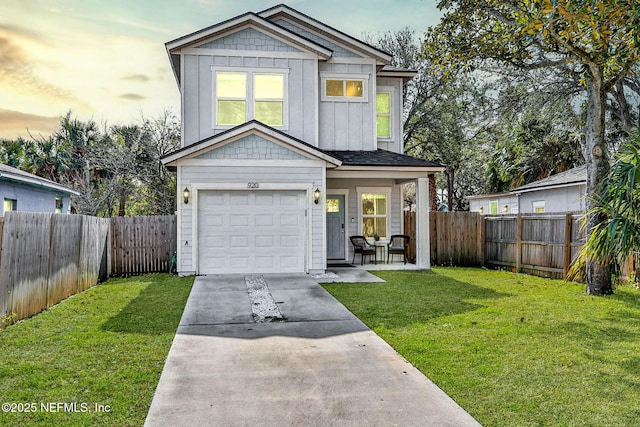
x,y
511,349
105,346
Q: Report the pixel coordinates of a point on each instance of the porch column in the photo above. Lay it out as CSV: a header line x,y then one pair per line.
x,y
423,255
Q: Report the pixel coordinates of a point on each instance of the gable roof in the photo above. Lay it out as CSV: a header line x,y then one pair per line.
x,y
575,176
248,19
251,127
281,10
9,173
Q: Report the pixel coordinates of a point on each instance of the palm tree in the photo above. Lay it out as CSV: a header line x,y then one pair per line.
x,y
614,239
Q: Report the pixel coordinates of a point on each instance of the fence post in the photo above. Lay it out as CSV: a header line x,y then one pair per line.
x,y
567,244
482,239
519,243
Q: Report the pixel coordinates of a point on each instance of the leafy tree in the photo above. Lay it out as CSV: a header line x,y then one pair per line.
x,y
614,239
597,40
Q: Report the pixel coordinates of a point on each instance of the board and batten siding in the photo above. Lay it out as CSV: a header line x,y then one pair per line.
x,y
306,173
198,96
348,125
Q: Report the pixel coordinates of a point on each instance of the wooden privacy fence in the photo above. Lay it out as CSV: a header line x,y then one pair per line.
x,y
542,245
539,244
45,258
142,244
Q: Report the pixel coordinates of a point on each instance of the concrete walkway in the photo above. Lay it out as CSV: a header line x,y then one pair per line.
x,y
319,367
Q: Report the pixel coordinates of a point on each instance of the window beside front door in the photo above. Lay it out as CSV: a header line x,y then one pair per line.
x,y
10,205
374,208
241,96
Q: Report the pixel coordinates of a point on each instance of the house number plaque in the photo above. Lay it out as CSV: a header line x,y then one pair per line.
x,y
253,185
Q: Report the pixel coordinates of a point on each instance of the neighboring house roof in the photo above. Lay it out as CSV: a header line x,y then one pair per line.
x,y
575,176
490,196
380,158
16,175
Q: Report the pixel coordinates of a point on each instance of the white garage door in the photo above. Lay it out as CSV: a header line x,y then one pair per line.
x,y
251,232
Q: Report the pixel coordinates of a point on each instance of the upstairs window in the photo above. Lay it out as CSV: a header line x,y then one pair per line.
x,y
242,96
231,98
344,87
383,115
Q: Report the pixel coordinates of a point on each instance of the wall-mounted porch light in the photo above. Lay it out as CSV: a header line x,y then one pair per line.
x,y
185,195
481,210
316,196
505,208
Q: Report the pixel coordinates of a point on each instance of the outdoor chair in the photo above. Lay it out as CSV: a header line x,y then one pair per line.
x,y
398,244
363,247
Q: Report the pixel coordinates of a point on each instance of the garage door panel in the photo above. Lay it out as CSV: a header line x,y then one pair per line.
x,y
244,231
289,220
239,220
239,241
264,241
239,200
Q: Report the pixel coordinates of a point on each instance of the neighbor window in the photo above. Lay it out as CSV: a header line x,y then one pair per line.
x,y
242,96
493,207
10,205
538,207
58,205
383,114
374,215
344,87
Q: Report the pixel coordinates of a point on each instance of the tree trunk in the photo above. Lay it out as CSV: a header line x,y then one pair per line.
x,y
595,154
123,203
450,176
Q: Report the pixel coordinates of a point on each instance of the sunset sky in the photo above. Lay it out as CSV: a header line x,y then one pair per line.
x,y
105,59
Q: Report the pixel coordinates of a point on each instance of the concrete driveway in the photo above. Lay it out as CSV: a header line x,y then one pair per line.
x,y
321,366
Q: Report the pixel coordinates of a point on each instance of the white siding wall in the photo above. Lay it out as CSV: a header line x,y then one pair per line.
x,y
354,206
348,125
566,199
308,174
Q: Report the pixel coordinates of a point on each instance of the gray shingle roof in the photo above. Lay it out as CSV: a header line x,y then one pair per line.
x,y
572,176
379,158
17,175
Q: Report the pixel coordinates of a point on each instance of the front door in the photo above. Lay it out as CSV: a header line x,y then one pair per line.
x,y
335,227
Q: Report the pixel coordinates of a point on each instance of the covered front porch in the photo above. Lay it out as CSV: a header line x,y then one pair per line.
x,y
364,197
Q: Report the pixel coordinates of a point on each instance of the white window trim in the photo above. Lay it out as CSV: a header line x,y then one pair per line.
x,y
374,190
344,76
250,98
392,121
538,204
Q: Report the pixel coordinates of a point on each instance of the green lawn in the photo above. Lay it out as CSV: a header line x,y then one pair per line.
x,y
106,346
513,350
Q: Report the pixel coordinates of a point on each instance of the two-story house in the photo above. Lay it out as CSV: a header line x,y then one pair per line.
x,y
291,143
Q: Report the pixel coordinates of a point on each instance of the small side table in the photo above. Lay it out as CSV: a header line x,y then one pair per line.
x,y
382,246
